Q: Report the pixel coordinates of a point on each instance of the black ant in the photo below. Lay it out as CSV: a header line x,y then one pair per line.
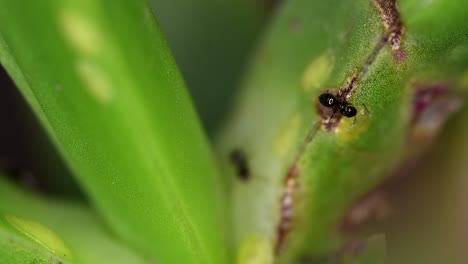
x,y
336,103
329,100
239,159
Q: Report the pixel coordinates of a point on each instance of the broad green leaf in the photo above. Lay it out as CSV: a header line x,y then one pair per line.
x,y
101,79
34,227
310,47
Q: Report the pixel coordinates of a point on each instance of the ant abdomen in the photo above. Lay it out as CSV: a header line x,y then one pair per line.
x,y
348,111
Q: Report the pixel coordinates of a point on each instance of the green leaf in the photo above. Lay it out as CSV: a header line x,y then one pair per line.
x,y
311,47
101,79
34,227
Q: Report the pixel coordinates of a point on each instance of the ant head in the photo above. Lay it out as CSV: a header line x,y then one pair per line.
x,y
349,111
327,100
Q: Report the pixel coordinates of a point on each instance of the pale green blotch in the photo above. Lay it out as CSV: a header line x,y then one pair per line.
x,y
286,136
316,73
41,235
86,39
79,32
255,250
95,79
350,129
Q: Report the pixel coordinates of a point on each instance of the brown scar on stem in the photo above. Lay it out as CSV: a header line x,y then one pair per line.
x,y
286,209
287,197
394,28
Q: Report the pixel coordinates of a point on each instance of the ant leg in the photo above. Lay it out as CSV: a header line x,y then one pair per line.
x,y
366,109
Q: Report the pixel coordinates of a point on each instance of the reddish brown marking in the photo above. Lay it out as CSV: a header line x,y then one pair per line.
x,y
373,206
345,92
286,209
399,55
293,172
393,26
432,105
388,12
424,96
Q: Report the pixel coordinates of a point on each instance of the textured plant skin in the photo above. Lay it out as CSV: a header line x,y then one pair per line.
x,y
49,230
19,251
18,248
102,81
310,47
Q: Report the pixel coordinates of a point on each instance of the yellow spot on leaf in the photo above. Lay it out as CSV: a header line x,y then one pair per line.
x,y
80,32
286,136
255,250
463,83
350,129
96,80
41,235
317,72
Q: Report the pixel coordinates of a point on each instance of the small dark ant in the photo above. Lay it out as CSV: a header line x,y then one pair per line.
x,y
329,100
239,160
